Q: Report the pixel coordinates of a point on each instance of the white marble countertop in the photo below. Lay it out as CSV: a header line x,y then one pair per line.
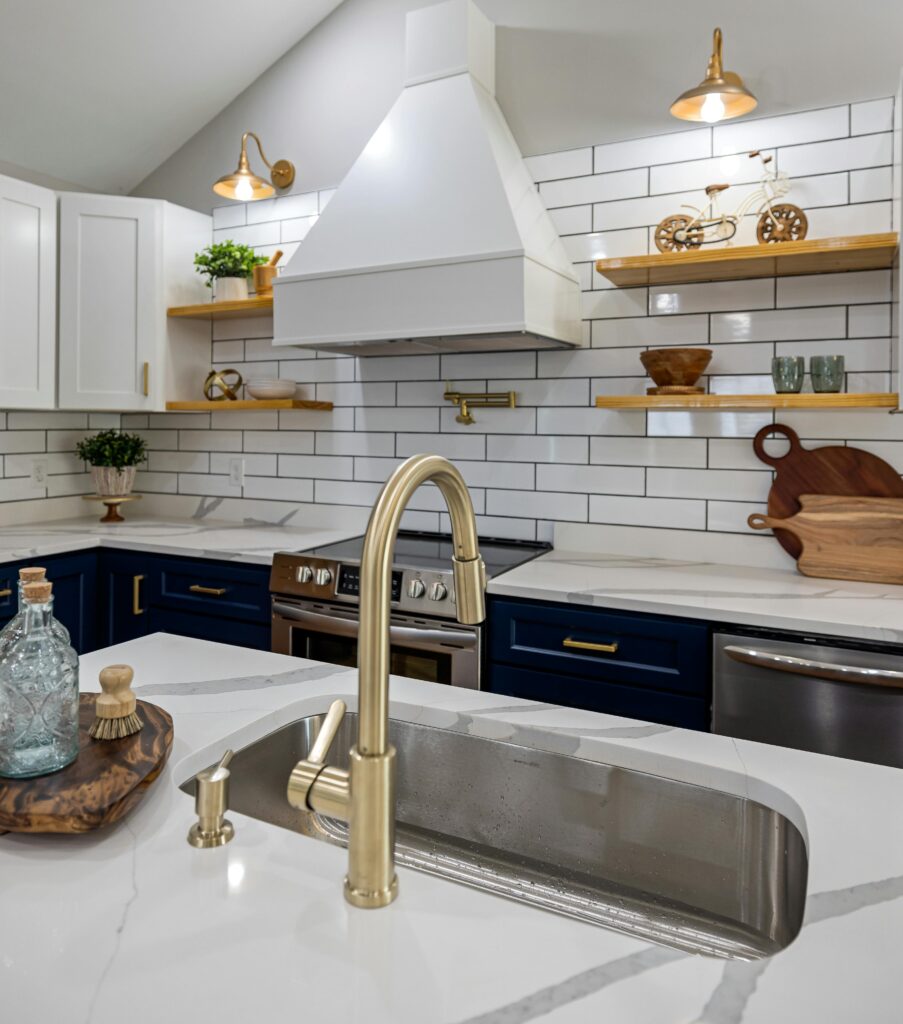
x,y
771,598
132,923
197,538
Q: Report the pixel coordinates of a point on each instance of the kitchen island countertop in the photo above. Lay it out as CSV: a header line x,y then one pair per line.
x,y
131,920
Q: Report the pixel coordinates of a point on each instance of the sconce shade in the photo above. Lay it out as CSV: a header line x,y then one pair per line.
x,y
720,96
243,184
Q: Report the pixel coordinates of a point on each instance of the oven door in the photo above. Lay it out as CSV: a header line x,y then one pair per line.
x,y
431,650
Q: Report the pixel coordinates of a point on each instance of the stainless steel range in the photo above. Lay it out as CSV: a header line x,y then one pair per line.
x,y
315,605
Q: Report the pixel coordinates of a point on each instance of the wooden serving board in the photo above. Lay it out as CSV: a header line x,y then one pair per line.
x,y
832,470
105,781
845,538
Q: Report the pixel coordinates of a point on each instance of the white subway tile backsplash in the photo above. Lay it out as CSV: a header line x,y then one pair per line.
x,y
657,149
568,164
778,324
871,185
713,297
783,130
555,458
871,116
839,155
674,513
596,188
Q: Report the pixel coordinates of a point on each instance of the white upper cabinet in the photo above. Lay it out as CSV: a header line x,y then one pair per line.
x,y
122,262
27,295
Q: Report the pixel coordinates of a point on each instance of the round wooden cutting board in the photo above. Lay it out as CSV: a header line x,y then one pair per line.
x,y
105,781
849,472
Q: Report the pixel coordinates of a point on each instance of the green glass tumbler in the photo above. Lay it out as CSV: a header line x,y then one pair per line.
x,y
826,373
788,372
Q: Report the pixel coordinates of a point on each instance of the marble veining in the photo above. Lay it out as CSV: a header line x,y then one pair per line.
x,y
261,922
773,598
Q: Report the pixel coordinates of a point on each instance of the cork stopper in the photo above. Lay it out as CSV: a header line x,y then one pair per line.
x,y
33,574
37,593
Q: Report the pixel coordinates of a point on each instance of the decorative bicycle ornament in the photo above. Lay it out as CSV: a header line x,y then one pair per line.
x,y
778,222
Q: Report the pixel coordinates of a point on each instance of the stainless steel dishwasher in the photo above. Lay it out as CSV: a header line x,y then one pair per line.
x,y
810,694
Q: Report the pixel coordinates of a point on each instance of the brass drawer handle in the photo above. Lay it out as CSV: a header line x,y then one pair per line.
x,y
6,592
136,595
145,383
196,588
585,645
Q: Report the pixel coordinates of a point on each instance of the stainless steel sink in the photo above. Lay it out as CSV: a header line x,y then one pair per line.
x,y
673,863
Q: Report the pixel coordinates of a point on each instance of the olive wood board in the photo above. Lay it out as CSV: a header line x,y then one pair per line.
x,y
105,781
832,469
845,538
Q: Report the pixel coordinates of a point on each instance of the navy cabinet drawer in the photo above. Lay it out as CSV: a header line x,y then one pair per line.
x,y
212,588
634,650
598,695
210,627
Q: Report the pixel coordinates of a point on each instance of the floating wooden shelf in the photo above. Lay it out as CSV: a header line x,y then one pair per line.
x,y
225,310
249,403
782,259
878,400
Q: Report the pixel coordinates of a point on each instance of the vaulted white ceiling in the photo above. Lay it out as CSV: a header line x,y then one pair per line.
x,y
100,92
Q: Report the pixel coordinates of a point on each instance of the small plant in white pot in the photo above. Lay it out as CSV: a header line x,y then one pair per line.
x,y
230,265
113,457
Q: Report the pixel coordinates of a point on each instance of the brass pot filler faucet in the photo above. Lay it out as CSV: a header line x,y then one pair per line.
x,y
365,795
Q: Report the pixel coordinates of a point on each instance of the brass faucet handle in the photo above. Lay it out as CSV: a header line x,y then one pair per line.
x,y
314,787
327,732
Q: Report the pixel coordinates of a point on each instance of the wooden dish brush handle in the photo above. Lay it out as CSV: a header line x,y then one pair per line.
x,y
117,699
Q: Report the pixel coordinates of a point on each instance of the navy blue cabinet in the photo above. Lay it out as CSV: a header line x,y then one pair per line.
x,y
642,666
75,594
106,597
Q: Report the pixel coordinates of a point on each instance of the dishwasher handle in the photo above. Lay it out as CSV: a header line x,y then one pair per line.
x,y
816,669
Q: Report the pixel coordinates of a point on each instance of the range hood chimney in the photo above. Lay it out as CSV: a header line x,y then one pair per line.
x,y
437,240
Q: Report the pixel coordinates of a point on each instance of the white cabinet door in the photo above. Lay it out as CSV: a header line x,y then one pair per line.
x,y
27,295
111,301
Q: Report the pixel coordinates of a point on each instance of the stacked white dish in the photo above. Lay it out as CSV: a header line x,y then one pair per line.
x,y
271,387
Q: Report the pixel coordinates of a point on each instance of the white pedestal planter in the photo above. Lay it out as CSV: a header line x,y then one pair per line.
x,y
111,482
230,289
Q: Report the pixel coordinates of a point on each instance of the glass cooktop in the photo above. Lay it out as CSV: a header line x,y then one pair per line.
x,y
415,550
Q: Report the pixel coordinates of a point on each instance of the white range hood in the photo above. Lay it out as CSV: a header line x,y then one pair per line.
x,y
437,239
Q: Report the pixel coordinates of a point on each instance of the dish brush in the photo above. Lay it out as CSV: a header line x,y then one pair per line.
x,y
116,713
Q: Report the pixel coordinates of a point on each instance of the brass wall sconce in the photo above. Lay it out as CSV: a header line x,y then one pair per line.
x,y
247,186
720,96
467,400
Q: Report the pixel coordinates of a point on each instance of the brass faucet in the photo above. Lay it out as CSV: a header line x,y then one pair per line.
x,y
365,795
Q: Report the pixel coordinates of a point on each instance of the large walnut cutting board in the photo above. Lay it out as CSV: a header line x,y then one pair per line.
x,y
101,785
845,538
832,470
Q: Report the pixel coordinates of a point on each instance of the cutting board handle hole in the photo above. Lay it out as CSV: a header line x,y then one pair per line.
x,y
781,442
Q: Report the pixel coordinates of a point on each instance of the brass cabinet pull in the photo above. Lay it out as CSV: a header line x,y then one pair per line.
x,y
6,592
196,588
585,645
136,595
146,381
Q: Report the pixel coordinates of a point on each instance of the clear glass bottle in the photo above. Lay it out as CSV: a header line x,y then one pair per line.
x,y
16,625
38,694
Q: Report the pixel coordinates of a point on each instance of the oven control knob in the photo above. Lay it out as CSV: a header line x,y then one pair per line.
x,y
416,588
305,574
323,577
438,592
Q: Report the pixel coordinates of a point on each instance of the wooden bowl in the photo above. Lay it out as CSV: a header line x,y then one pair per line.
x,y
675,367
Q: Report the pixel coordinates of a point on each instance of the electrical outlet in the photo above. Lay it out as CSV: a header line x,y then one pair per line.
x,y
237,472
38,472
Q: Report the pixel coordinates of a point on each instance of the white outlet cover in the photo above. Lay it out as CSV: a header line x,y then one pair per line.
x,y
39,472
237,472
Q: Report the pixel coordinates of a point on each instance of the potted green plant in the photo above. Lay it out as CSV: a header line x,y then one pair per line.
x,y
113,457
229,264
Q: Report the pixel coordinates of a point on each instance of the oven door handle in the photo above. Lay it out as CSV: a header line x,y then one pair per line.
x,y
816,669
338,626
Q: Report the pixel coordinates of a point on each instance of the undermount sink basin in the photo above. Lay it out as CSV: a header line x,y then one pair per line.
x,y
660,860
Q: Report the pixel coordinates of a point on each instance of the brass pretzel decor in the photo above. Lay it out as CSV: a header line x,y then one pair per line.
x,y
228,388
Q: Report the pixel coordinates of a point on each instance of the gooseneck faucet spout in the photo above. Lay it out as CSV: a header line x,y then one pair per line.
x,y
365,796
